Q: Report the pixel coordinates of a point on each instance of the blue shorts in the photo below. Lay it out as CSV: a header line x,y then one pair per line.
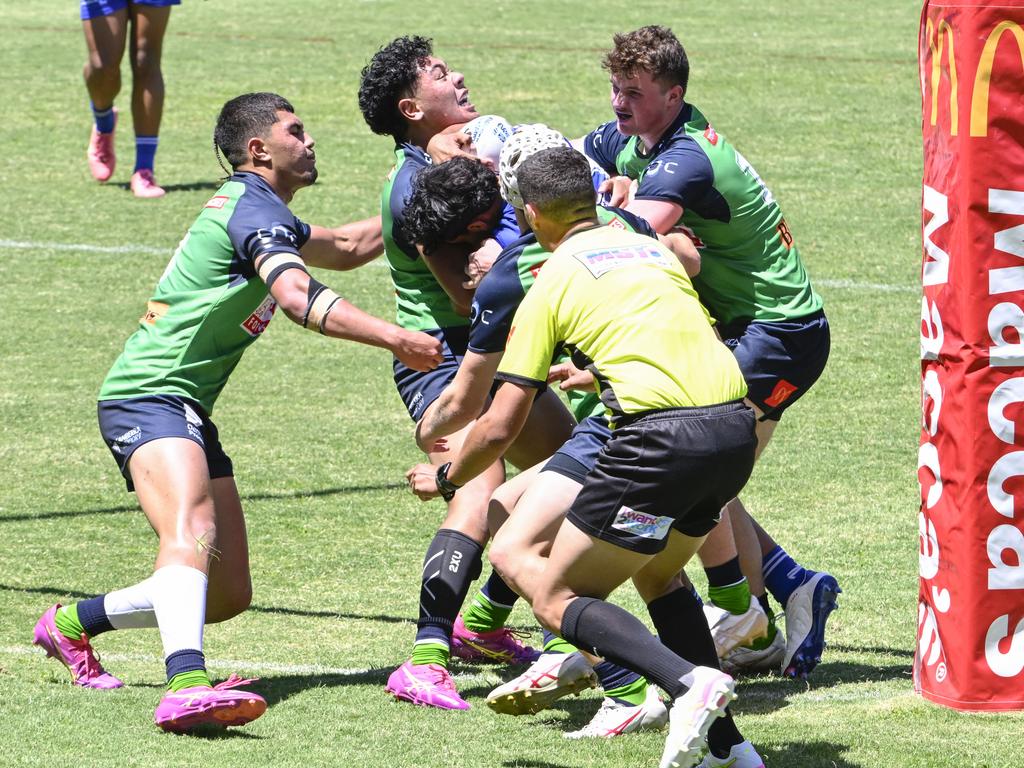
x,y
128,424
578,455
418,389
94,9
780,361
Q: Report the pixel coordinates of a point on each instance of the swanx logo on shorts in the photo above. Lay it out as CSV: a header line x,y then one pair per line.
x,y
257,322
603,260
639,524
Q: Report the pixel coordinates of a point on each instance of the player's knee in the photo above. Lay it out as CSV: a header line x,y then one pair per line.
x,y
502,561
102,69
146,62
651,586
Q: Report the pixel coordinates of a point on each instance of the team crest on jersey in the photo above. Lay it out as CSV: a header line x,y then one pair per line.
x,y
154,311
711,135
258,321
616,224
639,524
217,201
603,260
535,269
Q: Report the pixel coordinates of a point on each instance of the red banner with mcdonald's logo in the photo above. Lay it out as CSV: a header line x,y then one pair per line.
x,y
970,639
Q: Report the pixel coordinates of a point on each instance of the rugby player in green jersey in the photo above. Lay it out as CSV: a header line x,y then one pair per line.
x,y
411,95
245,255
689,177
682,444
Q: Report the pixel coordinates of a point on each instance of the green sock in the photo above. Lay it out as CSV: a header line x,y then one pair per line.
x,y
431,653
485,616
634,693
558,645
67,622
763,642
734,598
193,679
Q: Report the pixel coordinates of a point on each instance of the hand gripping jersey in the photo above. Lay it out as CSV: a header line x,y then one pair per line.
x,y
750,266
624,306
502,290
421,302
210,304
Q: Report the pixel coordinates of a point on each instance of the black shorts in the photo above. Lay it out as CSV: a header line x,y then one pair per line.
x,y
780,361
133,422
418,389
667,469
579,453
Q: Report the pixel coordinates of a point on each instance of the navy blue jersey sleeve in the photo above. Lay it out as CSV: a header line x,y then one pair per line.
x,y
507,230
680,174
261,223
401,191
496,300
603,144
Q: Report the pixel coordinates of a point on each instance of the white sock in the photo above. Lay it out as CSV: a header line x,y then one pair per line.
x,y
179,601
131,607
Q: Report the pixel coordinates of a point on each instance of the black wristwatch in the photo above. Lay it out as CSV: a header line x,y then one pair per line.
x,y
444,485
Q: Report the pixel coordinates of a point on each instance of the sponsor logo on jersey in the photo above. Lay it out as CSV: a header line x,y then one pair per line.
x,y
601,261
154,311
711,135
639,524
258,321
535,269
616,224
781,393
217,201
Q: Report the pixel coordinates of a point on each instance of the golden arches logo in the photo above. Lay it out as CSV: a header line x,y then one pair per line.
x,y
983,77
935,39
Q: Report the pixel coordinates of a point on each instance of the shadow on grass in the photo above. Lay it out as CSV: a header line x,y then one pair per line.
x,y
807,754
278,688
191,186
902,653
245,497
514,763
60,592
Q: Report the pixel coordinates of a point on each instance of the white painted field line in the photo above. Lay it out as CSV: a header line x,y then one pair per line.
x,y
29,245
230,665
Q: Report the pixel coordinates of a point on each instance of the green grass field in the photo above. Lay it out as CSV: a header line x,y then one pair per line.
x,y
823,99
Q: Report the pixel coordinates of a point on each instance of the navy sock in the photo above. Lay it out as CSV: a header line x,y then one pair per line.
x,y
681,626
93,616
187,660
145,152
782,574
104,118
497,591
451,564
613,633
611,675
724,575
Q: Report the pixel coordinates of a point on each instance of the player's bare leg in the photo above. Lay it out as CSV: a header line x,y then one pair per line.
x,y
149,25
105,39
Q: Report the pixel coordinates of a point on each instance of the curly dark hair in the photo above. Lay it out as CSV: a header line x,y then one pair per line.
x,y
389,77
654,49
446,198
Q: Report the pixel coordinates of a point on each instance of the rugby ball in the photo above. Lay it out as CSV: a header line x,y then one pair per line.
x,y
488,134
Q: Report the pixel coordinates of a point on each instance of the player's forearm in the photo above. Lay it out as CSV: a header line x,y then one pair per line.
x,y
445,416
348,246
346,321
485,444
